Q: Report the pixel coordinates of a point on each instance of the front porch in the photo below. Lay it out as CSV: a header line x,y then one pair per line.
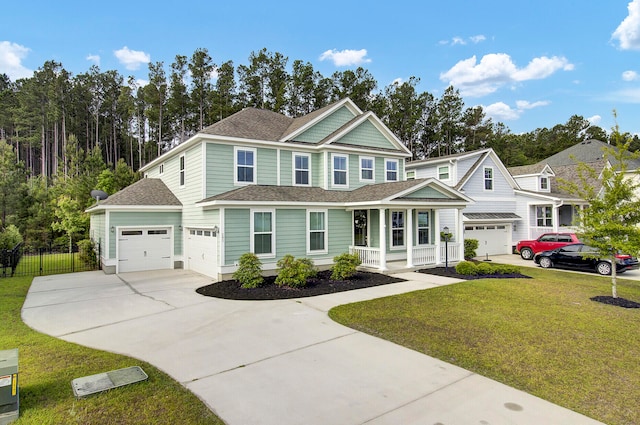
x,y
421,256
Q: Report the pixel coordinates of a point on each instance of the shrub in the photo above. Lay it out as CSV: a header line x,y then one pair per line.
x,y
470,246
506,269
294,272
249,272
466,268
87,252
10,237
345,266
485,268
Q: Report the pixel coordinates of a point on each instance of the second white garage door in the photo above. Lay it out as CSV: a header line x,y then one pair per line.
x,y
492,239
202,251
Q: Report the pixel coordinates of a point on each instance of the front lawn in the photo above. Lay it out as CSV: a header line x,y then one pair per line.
x,y
48,365
542,335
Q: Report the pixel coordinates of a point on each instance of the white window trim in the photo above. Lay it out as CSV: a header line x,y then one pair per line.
x,y
545,179
373,169
448,167
544,217
237,149
404,230
293,166
272,254
410,175
386,170
484,179
346,157
417,225
182,173
161,169
326,232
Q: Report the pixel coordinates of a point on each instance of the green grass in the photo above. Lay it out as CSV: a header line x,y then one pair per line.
x,y
48,365
50,264
541,335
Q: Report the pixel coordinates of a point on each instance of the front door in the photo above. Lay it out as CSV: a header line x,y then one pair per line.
x,y
360,227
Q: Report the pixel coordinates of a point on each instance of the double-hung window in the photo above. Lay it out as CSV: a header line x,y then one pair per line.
x,y
340,170
544,216
397,229
262,234
391,170
182,169
245,165
317,231
443,172
544,183
488,178
423,228
367,170
301,169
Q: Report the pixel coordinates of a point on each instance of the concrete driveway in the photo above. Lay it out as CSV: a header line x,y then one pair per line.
x,y
275,362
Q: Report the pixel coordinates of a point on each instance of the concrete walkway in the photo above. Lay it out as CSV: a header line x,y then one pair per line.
x,y
275,362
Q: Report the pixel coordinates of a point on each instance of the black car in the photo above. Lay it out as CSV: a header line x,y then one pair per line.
x,y
579,256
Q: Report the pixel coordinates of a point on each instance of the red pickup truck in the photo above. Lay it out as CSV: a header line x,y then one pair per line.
x,y
545,242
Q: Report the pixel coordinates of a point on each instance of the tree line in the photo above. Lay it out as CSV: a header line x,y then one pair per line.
x,y
63,135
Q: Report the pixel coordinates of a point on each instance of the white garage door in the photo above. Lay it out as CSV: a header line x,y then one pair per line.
x,y
144,249
492,239
202,251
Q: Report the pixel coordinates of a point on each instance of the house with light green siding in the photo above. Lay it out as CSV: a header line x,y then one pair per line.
x,y
316,186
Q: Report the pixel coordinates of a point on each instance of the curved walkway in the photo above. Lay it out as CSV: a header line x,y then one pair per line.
x,y
275,362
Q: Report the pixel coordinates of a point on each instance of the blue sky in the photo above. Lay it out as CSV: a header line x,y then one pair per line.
x,y
530,64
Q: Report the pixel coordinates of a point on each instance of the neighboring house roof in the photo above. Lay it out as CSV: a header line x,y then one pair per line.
x,y
533,169
571,173
588,151
444,158
144,192
373,193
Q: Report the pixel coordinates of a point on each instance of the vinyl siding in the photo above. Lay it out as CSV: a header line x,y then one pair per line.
x,y
291,225
286,168
327,126
267,166
367,135
339,232
236,234
97,226
501,187
426,192
145,219
219,178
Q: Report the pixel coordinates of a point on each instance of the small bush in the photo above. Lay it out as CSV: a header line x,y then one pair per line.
x,y
87,253
345,266
485,268
10,237
466,268
506,269
294,272
470,246
249,272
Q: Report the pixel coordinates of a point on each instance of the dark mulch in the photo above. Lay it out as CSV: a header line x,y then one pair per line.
x,y
319,285
451,272
618,302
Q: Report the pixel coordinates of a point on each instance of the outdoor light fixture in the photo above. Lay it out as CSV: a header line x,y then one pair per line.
x,y
113,229
180,227
215,229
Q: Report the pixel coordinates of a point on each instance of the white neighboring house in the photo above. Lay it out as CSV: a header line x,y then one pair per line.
x,y
509,204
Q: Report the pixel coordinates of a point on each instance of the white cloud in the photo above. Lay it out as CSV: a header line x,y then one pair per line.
x,y
628,32
132,59
458,40
595,120
630,75
346,57
475,39
497,69
503,112
94,58
11,56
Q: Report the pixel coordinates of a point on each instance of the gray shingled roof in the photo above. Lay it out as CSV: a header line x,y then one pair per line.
x,y
145,192
251,123
587,151
570,173
299,194
491,216
523,170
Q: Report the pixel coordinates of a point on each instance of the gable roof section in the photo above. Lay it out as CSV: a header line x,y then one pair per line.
x,y
251,123
370,194
488,153
304,123
531,170
143,193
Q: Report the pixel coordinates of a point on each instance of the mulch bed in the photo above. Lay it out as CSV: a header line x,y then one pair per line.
x,y
319,285
451,272
618,302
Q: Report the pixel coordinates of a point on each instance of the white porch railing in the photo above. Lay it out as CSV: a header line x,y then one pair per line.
x,y
423,255
454,251
369,257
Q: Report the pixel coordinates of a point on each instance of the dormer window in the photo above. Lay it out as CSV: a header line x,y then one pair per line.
x,y
544,183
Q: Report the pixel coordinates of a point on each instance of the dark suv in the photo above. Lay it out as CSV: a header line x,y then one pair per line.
x,y
545,242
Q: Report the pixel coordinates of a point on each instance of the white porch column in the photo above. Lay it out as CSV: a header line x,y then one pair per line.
x,y
383,239
460,232
436,234
409,236
556,217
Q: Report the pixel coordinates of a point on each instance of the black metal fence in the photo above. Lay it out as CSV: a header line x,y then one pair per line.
x,y
24,261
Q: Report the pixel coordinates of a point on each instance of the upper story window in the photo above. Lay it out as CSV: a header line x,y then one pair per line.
x,y
544,183
391,170
340,170
488,178
161,169
245,165
411,175
367,170
262,234
301,169
443,172
182,170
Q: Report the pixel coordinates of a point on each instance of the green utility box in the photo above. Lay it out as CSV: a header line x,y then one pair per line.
x,y
9,391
